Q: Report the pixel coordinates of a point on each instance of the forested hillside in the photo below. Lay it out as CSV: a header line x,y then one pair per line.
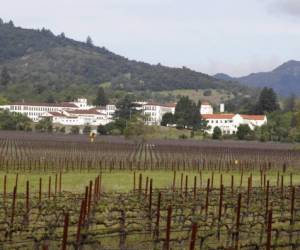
x,y
36,64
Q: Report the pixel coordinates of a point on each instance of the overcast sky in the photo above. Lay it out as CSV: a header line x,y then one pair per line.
x,y
237,37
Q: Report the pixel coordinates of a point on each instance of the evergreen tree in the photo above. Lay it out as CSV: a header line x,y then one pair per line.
x,y
101,98
290,103
5,77
44,125
126,108
87,129
267,102
89,41
243,131
74,130
187,114
167,118
217,133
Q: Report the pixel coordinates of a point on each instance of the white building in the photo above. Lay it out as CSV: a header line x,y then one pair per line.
x,y
73,113
79,117
82,103
109,110
35,110
154,112
206,108
229,123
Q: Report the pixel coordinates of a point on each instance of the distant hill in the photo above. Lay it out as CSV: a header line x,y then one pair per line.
x,y
284,79
43,66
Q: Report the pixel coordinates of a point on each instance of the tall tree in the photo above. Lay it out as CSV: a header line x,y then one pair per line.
x,y
44,125
101,98
290,103
126,108
167,118
217,133
89,41
267,101
5,77
243,131
187,114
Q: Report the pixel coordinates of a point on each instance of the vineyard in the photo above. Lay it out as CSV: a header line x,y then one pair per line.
x,y
63,192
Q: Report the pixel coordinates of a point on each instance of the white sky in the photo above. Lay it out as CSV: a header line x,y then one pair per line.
x,y
236,37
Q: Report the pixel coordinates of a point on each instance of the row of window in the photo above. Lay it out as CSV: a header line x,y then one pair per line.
x,y
149,107
220,121
150,113
33,108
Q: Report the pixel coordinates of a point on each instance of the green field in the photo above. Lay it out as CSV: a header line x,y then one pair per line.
x,y
122,181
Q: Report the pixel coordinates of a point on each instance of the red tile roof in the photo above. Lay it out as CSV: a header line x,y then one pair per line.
x,y
217,116
85,112
253,117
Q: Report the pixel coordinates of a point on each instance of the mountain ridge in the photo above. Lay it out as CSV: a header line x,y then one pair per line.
x,y
43,66
284,79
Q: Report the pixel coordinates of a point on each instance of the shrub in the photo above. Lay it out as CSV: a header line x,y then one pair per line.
x,y
74,130
102,130
243,131
207,93
182,136
217,133
87,129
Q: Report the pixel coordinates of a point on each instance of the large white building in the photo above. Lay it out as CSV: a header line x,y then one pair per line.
x,y
229,123
79,117
74,113
154,112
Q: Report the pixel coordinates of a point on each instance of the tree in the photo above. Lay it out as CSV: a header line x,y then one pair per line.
x,y
187,114
217,133
137,130
101,98
44,125
62,130
5,77
14,121
50,99
74,130
290,103
87,129
243,131
167,118
126,108
89,41
3,100
102,130
267,101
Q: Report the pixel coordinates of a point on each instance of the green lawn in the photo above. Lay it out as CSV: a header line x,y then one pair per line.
x,y
123,180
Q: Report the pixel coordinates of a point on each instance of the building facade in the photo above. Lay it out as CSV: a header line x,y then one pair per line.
x,y
75,113
154,112
229,123
206,109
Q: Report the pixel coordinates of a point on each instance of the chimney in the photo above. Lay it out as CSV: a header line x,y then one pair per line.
x,y
222,108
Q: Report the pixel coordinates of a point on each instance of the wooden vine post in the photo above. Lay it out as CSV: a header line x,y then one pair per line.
x,y
292,205
65,232
157,216
238,219
193,236
269,230
168,230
